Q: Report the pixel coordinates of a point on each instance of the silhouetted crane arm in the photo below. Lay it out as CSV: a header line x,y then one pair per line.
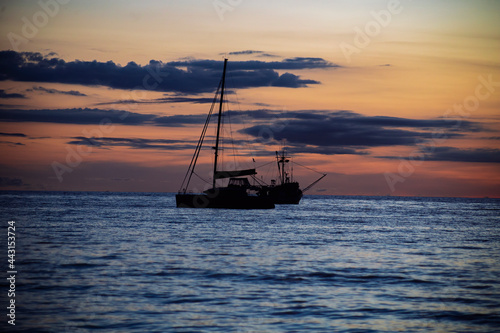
x,y
313,183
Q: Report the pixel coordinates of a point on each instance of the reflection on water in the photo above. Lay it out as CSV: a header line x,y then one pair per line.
x,y
116,262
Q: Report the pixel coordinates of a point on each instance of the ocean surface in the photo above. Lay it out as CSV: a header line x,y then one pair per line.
x,y
132,262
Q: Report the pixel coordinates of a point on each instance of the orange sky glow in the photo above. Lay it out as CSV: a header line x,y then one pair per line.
x,y
386,97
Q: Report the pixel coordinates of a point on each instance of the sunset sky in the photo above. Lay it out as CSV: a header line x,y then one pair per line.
x,y
386,97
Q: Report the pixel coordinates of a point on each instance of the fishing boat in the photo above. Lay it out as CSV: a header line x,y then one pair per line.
x,y
238,194
285,190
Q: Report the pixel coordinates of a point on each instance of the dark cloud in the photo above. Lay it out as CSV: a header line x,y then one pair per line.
x,y
163,100
133,143
55,91
261,104
426,124
323,132
158,144
260,150
194,100
187,76
12,143
4,94
19,135
291,80
98,116
75,116
253,52
246,52
286,64
452,154
268,55
3,105
267,77
480,155
299,149
16,135
305,131
180,120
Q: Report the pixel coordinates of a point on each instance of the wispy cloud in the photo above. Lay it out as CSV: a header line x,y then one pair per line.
x,y
74,116
261,54
483,155
12,143
4,94
133,143
163,100
96,116
246,52
453,154
180,120
296,63
19,135
12,135
55,91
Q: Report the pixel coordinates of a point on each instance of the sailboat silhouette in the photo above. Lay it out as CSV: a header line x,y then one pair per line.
x,y
238,194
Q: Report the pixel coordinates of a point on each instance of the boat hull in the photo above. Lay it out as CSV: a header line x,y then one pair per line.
x,y
285,194
203,200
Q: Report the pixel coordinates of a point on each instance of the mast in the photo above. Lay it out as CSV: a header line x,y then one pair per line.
x,y
218,121
281,160
283,166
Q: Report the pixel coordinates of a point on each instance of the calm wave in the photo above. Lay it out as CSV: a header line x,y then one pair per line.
x,y
122,262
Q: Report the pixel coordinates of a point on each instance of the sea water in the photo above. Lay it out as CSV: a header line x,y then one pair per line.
x,y
132,262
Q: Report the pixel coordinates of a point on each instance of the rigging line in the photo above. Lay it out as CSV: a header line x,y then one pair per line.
x,y
203,179
242,118
266,172
263,165
321,173
205,128
261,182
223,134
222,139
194,159
197,152
233,146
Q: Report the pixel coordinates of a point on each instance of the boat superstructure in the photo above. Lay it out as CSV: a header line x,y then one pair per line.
x,y
284,190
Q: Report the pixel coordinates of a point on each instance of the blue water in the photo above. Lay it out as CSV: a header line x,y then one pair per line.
x,y
118,262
